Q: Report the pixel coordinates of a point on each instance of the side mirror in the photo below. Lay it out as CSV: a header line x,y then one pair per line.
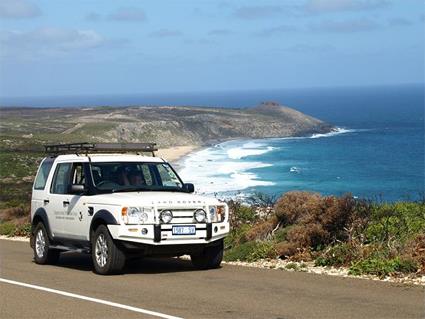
x,y
190,188
77,189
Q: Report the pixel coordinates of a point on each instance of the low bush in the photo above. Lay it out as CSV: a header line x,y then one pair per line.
x,y
251,251
7,229
262,230
23,230
339,255
383,267
236,236
395,222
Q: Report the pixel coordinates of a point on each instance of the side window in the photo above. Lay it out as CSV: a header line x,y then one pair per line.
x,y
61,179
43,173
78,174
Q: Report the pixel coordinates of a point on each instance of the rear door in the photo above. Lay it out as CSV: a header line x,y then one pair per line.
x,y
40,193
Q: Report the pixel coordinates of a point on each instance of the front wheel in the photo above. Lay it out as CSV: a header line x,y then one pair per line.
x,y
107,257
210,258
42,253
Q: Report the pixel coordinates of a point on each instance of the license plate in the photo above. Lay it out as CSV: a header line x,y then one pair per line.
x,y
184,230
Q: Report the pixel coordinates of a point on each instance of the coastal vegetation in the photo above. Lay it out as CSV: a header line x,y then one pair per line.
x,y
368,237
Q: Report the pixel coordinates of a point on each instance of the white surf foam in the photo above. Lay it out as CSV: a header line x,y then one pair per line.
x,y
337,131
221,168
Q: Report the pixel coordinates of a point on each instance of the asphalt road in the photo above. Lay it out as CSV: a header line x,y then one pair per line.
x,y
172,287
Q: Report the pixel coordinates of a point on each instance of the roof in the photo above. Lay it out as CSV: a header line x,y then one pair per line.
x,y
96,157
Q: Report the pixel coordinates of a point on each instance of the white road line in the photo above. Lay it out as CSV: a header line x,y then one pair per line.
x,y
101,301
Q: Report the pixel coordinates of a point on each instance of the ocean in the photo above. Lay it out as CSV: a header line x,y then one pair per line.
x,y
377,152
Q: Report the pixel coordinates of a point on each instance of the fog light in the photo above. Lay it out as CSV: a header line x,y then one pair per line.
x,y
166,216
200,215
144,231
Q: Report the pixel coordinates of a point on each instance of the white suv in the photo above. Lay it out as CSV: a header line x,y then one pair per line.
x,y
100,199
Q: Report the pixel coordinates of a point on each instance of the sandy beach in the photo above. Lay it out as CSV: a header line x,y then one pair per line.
x,y
173,154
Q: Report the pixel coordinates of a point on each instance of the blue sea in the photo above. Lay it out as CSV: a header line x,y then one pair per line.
x,y
377,152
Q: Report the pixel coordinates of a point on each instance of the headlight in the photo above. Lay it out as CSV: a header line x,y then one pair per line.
x,y
166,216
135,215
217,213
200,215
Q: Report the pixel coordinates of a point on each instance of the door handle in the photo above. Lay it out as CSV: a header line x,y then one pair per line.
x,y
65,203
46,201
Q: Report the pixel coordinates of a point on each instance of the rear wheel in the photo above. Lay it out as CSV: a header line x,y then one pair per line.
x,y
42,253
107,257
210,258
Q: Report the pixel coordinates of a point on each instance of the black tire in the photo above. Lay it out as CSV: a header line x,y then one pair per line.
x,y
42,253
210,258
114,260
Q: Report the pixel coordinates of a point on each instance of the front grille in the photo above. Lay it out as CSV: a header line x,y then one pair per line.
x,y
181,215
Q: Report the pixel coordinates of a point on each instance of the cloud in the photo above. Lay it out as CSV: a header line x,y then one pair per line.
x,y
399,22
277,30
18,9
165,33
219,32
128,14
348,26
309,48
50,42
93,16
257,12
325,6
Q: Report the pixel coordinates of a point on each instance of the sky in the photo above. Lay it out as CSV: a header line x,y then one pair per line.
x,y
64,47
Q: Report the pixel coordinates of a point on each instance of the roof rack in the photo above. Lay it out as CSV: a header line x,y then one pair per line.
x,y
75,148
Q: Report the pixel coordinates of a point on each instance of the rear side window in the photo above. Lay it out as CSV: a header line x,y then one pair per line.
x,y
43,173
61,179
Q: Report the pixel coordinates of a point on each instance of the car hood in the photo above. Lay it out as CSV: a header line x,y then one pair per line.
x,y
155,199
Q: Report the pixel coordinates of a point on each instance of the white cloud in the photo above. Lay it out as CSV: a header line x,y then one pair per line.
x,y
128,14
347,26
165,33
399,22
18,9
277,30
324,6
257,12
47,42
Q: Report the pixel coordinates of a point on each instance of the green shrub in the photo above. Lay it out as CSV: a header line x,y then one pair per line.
x,y
263,249
395,222
7,229
23,230
293,266
245,214
382,267
281,234
251,251
236,236
338,255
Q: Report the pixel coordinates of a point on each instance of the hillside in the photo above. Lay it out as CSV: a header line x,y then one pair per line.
x,y
166,125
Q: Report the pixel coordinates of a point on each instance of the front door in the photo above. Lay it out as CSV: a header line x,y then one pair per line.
x,y
74,224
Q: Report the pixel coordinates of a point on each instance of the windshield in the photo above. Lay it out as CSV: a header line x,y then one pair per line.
x,y
129,176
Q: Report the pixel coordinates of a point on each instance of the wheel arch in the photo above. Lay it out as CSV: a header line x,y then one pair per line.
x,y
40,215
102,217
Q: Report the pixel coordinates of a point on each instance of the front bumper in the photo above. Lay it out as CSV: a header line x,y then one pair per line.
x,y
162,234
